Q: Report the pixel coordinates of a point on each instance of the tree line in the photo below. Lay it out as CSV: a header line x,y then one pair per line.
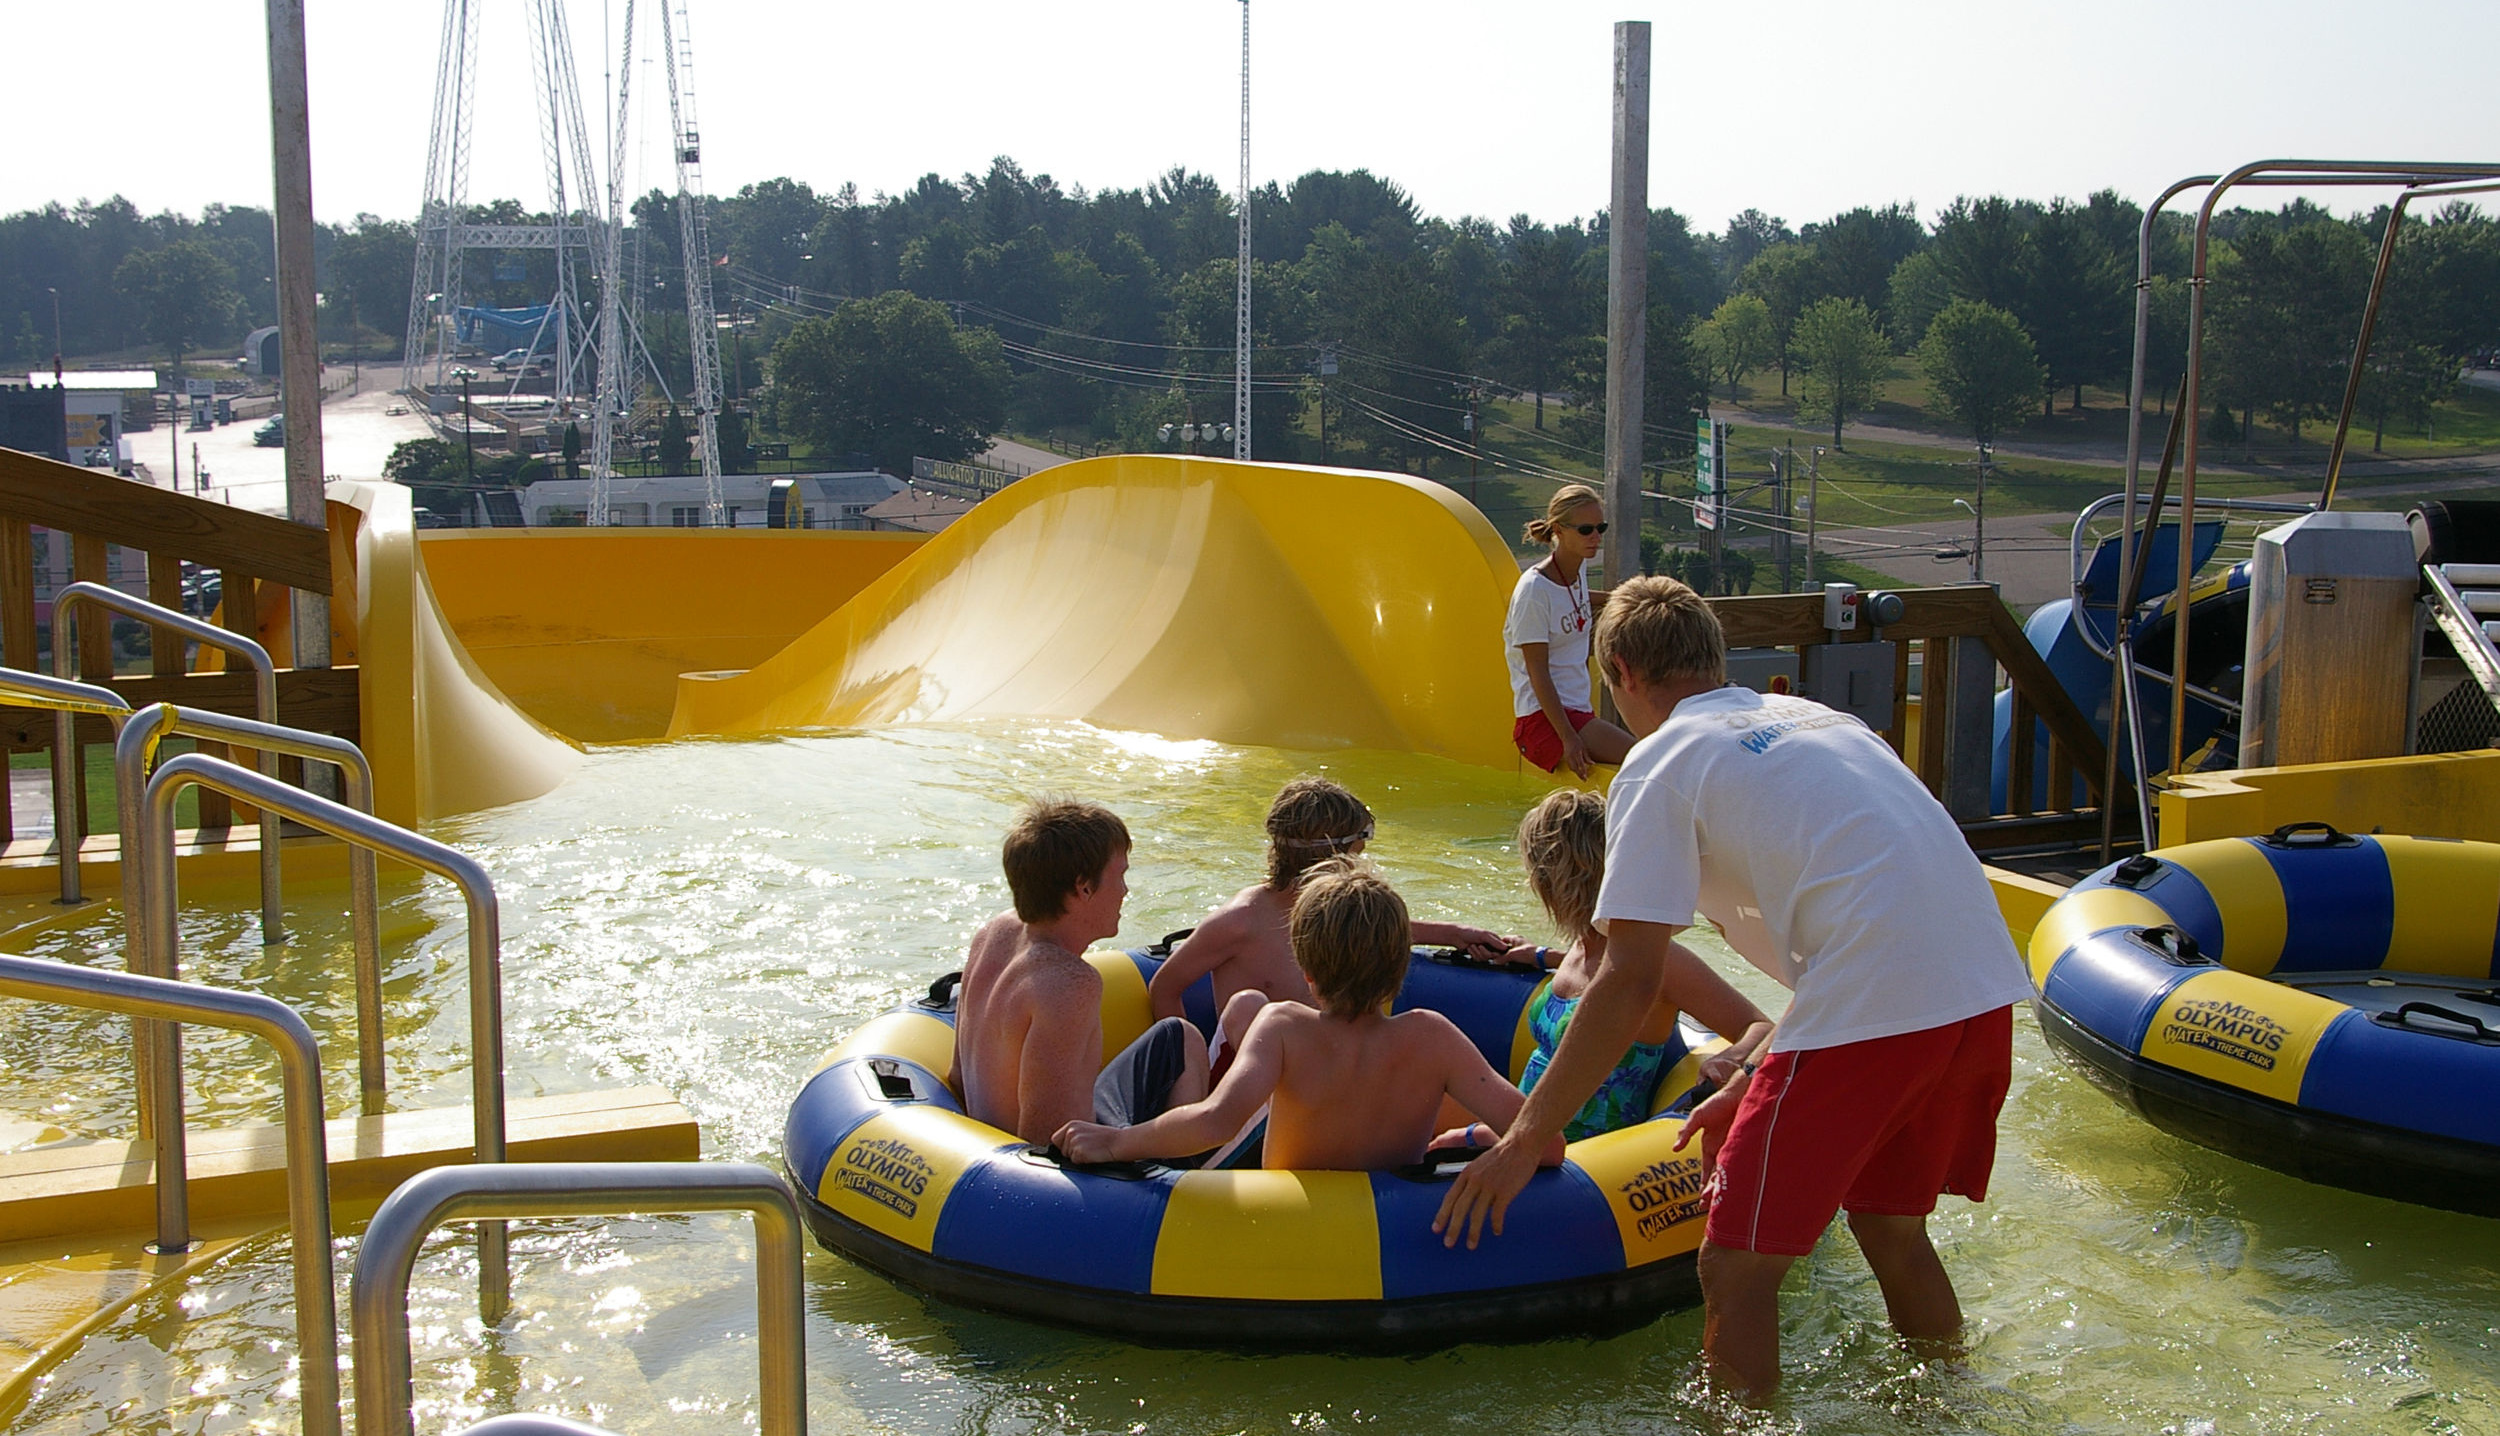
x,y
1005,300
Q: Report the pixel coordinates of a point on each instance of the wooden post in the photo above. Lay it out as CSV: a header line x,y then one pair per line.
x,y
1935,710
165,650
90,561
1627,301
2019,757
299,342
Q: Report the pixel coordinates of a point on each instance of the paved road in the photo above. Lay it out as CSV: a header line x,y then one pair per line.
x,y
357,435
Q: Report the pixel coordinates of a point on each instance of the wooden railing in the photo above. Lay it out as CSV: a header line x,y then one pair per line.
x,y
257,559
1962,637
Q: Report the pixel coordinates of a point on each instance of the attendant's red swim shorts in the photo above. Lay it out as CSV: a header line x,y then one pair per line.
x,y
1881,1127
1537,740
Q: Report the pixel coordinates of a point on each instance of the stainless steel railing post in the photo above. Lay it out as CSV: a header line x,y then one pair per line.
x,y
350,826
377,1292
136,750
21,689
264,707
307,1142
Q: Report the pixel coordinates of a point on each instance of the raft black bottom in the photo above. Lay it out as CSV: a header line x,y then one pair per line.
x,y
2456,1176
1589,1306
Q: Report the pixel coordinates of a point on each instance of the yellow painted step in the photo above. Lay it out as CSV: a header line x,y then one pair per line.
x,y
240,1172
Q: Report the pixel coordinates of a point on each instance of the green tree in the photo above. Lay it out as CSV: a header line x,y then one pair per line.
x,y
1548,306
676,442
892,377
2286,302
366,273
730,429
1788,277
1917,293
2075,301
1981,370
1842,348
1736,339
184,293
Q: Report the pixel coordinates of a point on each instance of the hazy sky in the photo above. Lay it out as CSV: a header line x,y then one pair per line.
x,y
1802,108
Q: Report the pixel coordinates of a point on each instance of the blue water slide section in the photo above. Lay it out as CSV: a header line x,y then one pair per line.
x,y
500,329
2055,631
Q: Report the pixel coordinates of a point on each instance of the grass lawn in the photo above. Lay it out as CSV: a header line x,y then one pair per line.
x,y
102,814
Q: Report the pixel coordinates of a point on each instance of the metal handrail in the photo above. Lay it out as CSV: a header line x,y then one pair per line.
x,y
2092,510
135,751
2462,626
21,689
307,1144
377,1294
355,828
264,707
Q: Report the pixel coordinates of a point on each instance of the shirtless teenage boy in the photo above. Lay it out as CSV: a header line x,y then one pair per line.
x,y
1351,1088
1244,942
1028,1018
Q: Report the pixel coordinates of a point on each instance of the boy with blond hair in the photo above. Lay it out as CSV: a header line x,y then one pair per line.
x,y
1348,1087
1827,864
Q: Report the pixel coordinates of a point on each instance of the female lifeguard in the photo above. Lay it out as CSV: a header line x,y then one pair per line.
x,y
1551,615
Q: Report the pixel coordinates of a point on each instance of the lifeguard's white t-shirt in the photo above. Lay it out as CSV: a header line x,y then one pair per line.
x,y
1823,859
1543,611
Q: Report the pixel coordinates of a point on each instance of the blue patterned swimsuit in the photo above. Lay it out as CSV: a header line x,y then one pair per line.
x,y
1624,1097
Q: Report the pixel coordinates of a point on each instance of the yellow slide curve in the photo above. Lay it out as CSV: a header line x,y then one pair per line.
x,y
1259,604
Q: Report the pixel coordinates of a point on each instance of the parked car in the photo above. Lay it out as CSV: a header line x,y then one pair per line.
x,y
511,359
271,435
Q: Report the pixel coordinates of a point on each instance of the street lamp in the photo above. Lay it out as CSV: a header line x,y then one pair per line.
x,y
468,436
1978,535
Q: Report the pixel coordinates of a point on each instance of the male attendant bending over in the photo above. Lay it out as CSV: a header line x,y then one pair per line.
x,y
1243,943
1350,1088
1828,865
1028,1018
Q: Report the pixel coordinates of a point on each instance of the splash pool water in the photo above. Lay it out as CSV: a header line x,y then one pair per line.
x,y
709,916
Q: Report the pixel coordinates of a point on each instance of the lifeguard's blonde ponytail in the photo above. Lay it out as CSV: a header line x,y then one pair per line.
x,y
1566,499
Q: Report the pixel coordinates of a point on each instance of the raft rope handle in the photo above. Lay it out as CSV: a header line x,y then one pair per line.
x,y
2309,835
942,992
2175,945
2400,1018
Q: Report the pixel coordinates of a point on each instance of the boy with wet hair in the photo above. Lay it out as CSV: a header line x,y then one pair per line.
x,y
1028,1017
1244,943
1348,1087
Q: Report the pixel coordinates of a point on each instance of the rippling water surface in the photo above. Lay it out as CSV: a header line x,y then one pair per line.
x,y
710,916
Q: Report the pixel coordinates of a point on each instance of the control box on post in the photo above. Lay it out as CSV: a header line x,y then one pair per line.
x,y
1855,678
2331,640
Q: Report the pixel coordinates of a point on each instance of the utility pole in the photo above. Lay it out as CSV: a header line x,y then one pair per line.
x,y
1781,548
1627,300
299,342
1241,266
56,343
1814,513
1475,438
1979,522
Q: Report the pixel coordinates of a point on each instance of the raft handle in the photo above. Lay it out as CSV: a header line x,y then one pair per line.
x,y
2401,1017
1162,947
1441,1166
2175,946
942,992
1047,1154
2486,996
1461,957
2309,835
2137,871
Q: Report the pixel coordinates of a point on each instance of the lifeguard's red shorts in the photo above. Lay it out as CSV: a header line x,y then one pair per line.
x,y
1881,1127
1539,743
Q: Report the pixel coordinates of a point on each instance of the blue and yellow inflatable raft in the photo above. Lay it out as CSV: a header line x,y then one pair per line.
x,y
2319,1003
895,1176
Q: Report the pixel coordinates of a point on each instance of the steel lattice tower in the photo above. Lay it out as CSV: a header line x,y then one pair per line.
x,y
702,338
1241,294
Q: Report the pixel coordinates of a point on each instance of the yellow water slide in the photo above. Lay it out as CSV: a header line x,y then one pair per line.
x,y
586,630
1195,598
443,739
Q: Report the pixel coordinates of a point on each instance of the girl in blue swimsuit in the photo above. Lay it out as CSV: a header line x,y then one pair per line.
x,y
1562,843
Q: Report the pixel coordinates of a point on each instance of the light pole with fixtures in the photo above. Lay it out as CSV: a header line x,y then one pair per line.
x,y
468,435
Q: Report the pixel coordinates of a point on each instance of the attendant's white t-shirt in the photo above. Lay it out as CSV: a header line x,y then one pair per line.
x,y
1821,857
1543,611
